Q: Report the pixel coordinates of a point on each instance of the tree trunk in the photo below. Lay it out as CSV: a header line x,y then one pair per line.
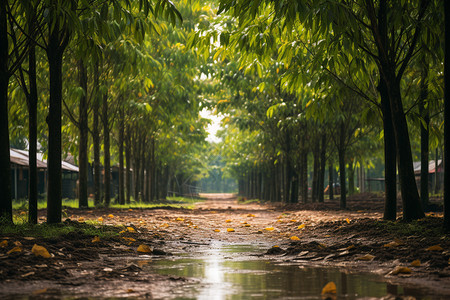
x,y
5,166
57,42
446,155
390,156
128,168
316,166
106,153
330,181
412,208
96,137
304,181
341,154
84,132
121,163
424,137
321,180
32,139
351,178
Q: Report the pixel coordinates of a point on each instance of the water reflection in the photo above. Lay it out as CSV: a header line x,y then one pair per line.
x,y
224,275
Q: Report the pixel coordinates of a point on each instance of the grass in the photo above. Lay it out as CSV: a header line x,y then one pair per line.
x,y
243,200
55,230
22,204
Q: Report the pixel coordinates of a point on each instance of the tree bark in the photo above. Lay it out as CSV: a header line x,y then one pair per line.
x,y
57,42
321,180
96,137
341,154
84,133
5,166
351,178
330,181
424,137
316,166
106,152
121,162
446,155
128,168
32,131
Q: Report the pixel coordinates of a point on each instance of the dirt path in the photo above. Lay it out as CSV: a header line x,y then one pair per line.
x,y
310,235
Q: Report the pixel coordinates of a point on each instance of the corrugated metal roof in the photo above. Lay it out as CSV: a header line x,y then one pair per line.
x,y
20,157
431,166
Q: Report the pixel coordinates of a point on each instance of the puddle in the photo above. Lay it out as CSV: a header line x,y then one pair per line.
x,y
228,272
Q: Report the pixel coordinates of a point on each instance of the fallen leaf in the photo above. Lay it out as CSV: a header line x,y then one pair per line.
x,y
122,232
81,219
391,244
247,225
251,215
165,225
230,229
216,230
301,226
18,244
15,249
131,229
401,270
416,263
347,220
275,246
111,216
179,219
294,221
130,209
329,288
435,248
130,291
128,239
144,248
295,238
350,247
100,219
96,239
41,291
366,257
228,221
269,228
3,244
40,251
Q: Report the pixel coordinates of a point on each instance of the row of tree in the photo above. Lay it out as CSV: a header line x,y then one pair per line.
x,y
111,78
311,74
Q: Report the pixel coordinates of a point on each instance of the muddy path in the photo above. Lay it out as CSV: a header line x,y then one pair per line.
x,y
82,265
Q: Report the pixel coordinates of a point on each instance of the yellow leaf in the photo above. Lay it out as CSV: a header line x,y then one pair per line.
x,y
130,291
294,221
279,221
18,244
230,229
123,231
110,216
100,219
165,225
275,246
301,226
128,239
4,244
246,225
228,221
80,219
250,215
269,228
347,220
295,238
95,239
15,249
415,263
401,270
435,248
144,249
179,219
131,229
22,213
216,230
329,288
40,251
366,257
41,291
130,209
391,244
195,226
